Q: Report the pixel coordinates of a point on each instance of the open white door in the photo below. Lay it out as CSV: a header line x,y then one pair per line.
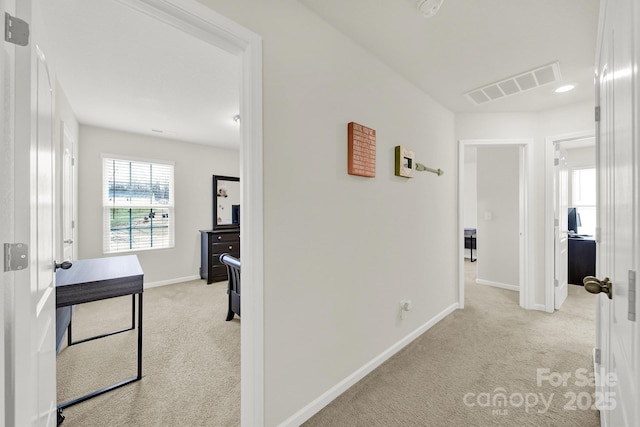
x,y
6,195
68,176
561,195
619,217
31,317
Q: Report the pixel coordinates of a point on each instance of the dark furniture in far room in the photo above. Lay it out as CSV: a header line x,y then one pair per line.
x,y
470,241
582,258
214,243
233,289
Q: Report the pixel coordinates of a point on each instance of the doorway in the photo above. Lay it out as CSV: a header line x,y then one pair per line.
x,y
555,264
521,147
200,21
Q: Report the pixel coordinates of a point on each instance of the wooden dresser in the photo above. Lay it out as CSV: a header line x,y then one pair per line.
x,y
212,245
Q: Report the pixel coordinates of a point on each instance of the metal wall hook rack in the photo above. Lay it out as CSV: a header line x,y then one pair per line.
x,y
421,167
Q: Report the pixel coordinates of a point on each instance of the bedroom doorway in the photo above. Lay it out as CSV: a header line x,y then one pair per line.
x,y
577,152
493,214
199,21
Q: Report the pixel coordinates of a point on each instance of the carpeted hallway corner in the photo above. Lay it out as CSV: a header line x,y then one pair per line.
x,y
451,375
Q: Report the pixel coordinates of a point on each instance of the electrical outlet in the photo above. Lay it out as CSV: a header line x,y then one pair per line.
x,y
405,306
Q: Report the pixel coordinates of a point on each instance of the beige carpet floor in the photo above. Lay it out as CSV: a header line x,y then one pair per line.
x,y
191,366
492,347
191,361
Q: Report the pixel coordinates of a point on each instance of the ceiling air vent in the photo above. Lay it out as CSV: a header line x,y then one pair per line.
x,y
520,83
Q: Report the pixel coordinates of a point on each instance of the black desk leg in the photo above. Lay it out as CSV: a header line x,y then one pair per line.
x,y
69,340
140,336
471,247
121,383
133,311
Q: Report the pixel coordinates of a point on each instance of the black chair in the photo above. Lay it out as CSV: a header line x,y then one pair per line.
x,y
233,289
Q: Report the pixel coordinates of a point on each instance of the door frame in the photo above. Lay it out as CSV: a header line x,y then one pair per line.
x,y
203,22
6,186
525,175
549,236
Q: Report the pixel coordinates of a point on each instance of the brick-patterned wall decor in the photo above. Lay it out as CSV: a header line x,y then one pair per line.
x,y
362,151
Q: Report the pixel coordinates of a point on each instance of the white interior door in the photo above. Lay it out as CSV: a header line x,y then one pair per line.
x,y
561,196
43,250
68,176
6,195
618,213
33,311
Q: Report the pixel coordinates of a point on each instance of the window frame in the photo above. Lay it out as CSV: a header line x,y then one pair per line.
x,y
109,205
574,202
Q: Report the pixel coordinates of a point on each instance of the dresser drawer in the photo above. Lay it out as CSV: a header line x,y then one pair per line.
x,y
224,237
221,248
218,273
215,258
214,244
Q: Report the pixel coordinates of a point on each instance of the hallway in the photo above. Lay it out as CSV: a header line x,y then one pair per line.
x,y
492,363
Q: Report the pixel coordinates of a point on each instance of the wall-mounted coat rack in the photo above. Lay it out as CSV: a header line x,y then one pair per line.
x,y
406,164
421,167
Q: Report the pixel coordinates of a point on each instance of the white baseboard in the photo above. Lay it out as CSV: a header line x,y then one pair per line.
x,y
170,281
539,307
315,406
498,285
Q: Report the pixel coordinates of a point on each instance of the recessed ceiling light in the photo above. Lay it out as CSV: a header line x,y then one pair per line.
x,y
565,88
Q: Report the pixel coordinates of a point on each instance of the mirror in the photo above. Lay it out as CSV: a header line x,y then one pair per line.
x,y
226,202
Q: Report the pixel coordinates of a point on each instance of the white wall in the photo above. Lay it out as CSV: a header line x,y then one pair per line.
x,y
569,119
470,191
341,251
498,215
194,167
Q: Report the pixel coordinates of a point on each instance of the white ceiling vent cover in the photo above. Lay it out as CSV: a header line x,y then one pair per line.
x,y
520,83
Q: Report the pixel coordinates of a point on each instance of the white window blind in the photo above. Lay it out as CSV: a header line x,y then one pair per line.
x,y
584,198
138,205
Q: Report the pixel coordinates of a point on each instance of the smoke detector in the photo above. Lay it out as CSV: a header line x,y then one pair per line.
x,y
429,8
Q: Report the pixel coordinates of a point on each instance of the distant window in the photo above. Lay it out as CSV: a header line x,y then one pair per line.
x,y
583,184
138,204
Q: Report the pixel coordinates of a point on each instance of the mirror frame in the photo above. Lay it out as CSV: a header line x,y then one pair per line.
x,y
216,180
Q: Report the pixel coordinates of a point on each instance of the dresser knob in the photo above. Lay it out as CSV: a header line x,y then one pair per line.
x,y
230,247
219,237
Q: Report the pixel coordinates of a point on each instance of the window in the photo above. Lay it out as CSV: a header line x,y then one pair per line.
x,y
583,188
138,202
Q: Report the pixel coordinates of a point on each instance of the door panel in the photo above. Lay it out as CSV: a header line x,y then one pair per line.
x,y
618,335
6,194
561,229
44,248
32,309
68,177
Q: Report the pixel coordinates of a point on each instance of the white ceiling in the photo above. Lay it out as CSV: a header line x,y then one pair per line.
x,y
121,69
471,43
